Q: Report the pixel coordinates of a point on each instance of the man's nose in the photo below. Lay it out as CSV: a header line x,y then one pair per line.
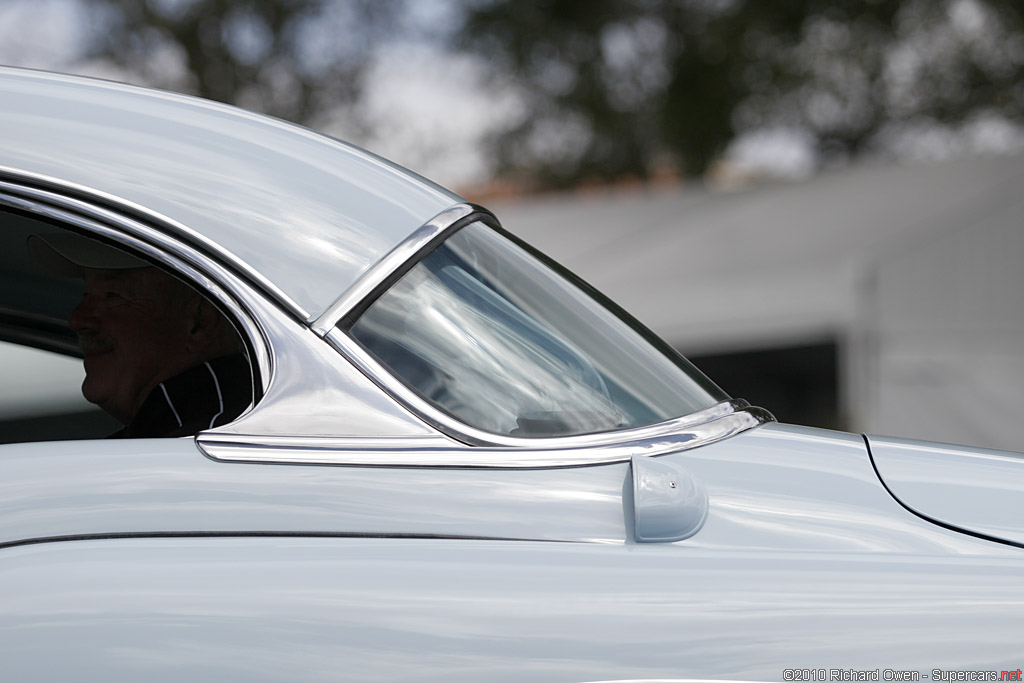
x,y
83,317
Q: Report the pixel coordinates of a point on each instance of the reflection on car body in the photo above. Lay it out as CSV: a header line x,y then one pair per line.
x,y
460,463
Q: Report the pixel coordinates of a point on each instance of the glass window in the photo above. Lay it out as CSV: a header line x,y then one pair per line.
x,y
492,335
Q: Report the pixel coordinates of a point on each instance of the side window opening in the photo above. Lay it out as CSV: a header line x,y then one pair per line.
x,y
96,342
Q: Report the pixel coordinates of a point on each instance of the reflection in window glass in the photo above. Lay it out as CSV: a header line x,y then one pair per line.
x,y
497,339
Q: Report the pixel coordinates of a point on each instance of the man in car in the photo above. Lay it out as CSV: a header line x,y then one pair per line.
x,y
159,357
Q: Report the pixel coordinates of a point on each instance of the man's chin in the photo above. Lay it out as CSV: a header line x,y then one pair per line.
x,y
94,393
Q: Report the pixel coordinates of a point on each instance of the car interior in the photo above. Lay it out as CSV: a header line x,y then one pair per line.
x,y
40,397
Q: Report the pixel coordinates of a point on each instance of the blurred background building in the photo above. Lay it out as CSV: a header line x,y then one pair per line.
x,y
816,201
878,298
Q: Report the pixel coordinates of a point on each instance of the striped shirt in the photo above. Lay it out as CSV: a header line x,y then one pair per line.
x,y
205,396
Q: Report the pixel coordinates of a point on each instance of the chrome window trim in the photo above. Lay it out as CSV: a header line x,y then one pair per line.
x,y
448,447
460,431
713,424
158,247
434,230
49,189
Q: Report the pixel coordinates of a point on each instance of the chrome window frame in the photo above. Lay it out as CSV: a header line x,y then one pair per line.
x,y
72,206
174,236
716,423
431,233
691,430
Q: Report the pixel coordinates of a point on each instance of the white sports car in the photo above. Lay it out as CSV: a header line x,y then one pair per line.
x,y
454,461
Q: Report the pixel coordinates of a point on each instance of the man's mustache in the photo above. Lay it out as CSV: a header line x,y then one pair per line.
x,y
90,343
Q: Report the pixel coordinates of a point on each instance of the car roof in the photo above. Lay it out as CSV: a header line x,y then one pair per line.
x,y
309,213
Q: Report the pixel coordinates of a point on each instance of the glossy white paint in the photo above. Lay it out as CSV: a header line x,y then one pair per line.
x,y
775,487
804,561
257,610
304,212
665,503
979,490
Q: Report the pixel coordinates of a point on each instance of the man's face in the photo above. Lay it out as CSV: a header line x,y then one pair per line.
x,y
133,327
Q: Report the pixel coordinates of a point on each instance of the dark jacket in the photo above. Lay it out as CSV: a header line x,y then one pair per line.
x,y
199,398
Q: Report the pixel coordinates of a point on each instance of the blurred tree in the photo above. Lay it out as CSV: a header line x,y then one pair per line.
x,y
295,59
608,88
626,87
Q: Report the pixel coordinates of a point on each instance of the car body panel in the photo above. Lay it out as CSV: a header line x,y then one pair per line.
x,y
804,561
776,487
460,610
307,213
975,489
167,486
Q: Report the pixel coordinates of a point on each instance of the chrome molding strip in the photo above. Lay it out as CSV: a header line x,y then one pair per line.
x,y
447,424
141,238
707,426
95,202
244,533
433,230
